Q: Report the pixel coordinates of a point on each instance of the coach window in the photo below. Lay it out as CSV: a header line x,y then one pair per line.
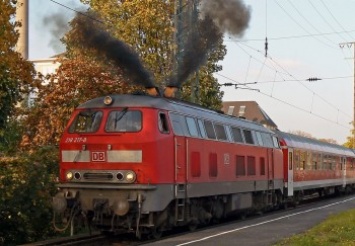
x,y
220,132
290,161
209,129
237,135
124,121
315,161
325,162
86,121
192,127
303,155
309,161
296,159
202,128
248,137
163,123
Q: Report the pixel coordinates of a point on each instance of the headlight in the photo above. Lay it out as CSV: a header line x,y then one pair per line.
x,y
108,100
130,177
69,175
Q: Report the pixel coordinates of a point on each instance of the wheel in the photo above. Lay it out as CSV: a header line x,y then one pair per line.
x,y
192,226
156,233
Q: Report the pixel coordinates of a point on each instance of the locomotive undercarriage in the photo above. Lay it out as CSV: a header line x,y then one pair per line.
x,y
125,213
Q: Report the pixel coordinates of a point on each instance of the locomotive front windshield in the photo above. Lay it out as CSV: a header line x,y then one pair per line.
x,y
86,122
124,121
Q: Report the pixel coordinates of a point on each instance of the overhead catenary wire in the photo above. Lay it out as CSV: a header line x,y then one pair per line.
x,y
298,24
287,103
324,19
298,80
307,21
336,20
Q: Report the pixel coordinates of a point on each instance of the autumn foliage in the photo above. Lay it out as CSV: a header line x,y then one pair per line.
x,y
76,81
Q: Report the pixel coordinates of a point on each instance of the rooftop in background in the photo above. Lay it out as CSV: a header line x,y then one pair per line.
x,y
249,110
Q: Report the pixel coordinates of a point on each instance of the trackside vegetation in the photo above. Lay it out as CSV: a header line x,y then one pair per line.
x,y
338,229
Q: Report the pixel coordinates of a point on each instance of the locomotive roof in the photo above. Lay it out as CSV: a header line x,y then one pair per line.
x,y
313,144
172,104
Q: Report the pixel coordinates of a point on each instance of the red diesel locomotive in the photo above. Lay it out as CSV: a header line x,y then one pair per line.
x,y
146,164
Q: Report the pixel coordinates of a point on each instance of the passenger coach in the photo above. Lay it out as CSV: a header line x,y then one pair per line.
x,y
313,166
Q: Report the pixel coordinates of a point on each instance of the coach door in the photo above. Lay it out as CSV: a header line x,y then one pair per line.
x,y
270,167
180,146
290,172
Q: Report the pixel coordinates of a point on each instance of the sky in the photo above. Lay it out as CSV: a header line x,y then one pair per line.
x,y
306,39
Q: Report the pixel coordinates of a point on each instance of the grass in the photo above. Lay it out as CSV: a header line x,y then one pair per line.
x,y
337,230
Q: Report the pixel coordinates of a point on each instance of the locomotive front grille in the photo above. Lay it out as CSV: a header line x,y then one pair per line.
x,y
98,176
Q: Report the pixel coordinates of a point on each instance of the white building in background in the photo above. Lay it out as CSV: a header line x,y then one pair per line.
x,y
45,67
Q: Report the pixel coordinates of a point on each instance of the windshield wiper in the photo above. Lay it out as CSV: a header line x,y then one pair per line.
x,y
119,115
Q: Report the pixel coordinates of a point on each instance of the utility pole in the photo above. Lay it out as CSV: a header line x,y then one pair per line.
x,y
349,45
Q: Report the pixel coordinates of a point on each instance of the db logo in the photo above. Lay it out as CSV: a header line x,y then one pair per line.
x,y
98,156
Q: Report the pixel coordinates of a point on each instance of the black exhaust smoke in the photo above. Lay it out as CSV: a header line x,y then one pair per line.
x,y
95,37
217,17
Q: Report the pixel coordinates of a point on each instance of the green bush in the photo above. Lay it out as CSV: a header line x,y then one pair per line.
x,y
27,183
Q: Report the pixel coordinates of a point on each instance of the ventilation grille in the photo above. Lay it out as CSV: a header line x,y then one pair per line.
x,y
98,176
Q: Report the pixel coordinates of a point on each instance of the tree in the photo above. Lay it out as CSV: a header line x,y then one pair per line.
x,y
302,134
76,81
16,74
350,142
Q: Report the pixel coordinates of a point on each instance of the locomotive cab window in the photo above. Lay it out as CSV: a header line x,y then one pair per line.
x,y
124,121
86,121
163,123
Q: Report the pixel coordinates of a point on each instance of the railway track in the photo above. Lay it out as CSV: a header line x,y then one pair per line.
x,y
94,239
84,239
127,239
